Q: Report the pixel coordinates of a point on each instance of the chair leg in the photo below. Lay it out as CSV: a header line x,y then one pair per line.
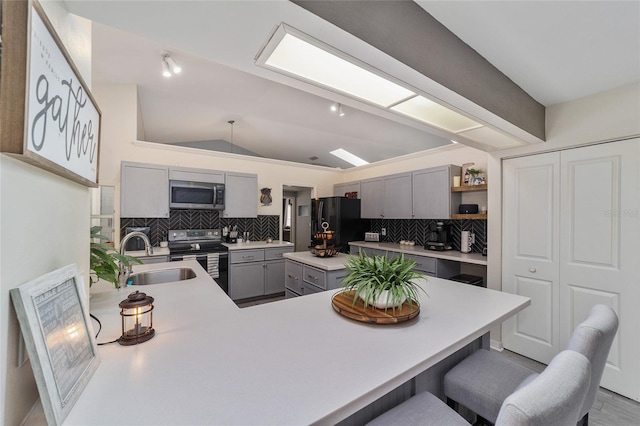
x,y
584,421
452,404
481,421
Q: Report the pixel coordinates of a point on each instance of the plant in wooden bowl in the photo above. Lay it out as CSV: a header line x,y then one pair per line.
x,y
382,283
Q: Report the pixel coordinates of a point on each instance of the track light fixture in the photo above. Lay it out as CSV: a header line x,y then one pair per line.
x,y
169,65
336,107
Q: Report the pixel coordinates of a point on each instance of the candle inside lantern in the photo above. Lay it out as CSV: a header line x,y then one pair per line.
x,y
137,319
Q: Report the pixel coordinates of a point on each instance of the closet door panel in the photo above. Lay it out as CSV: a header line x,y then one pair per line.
x,y
530,260
600,253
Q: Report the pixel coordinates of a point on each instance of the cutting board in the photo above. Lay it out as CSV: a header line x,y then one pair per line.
x,y
343,304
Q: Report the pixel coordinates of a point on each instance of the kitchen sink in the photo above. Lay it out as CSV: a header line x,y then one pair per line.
x,y
161,276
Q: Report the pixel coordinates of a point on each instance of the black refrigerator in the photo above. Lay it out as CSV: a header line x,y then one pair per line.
x,y
343,216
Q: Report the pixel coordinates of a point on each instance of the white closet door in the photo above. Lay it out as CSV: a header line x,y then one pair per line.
x,y
530,259
600,250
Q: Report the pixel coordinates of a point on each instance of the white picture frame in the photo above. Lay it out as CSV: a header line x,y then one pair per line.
x,y
55,323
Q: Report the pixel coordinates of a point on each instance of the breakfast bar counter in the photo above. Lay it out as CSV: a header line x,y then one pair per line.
x,y
294,361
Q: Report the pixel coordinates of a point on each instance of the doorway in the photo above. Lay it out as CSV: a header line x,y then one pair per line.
x,y
296,216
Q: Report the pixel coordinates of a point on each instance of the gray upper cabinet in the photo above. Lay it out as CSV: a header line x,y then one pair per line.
x,y
372,196
342,188
196,175
388,197
432,196
397,197
144,190
241,195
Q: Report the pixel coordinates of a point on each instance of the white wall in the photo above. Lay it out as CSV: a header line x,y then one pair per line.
x,y
120,128
44,225
450,154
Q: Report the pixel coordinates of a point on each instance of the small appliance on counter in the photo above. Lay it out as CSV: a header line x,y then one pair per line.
x,y
439,237
232,236
372,236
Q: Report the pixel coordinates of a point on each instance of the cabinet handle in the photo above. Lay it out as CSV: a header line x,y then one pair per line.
x,y
247,257
312,277
532,270
278,254
293,278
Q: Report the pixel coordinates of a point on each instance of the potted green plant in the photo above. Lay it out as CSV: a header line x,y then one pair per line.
x,y
382,283
105,260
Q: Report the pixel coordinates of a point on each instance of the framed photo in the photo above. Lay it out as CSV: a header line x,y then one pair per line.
x,y
49,117
54,320
465,166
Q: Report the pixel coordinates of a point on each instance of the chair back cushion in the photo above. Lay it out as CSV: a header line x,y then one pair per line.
x,y
554,398
593,338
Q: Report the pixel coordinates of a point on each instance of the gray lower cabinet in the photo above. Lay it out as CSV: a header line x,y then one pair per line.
x,y
256,272
144,190
301,279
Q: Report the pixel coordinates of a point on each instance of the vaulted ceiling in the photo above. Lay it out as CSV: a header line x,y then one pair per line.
x,y
554,51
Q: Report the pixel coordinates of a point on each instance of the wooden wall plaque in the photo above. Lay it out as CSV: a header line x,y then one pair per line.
x,y
48,116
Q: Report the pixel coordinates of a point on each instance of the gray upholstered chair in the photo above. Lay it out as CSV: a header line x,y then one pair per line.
x,y
482,381
553,398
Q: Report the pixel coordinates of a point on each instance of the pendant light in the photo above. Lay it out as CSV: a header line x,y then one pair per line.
x,y
231,123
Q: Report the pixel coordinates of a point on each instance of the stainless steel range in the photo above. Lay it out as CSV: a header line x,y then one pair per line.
x,y
204,246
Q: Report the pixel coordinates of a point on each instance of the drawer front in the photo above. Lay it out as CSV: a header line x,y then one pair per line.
x,y
311,289
293,276
276,253
241,256
425,264
288,294
314,276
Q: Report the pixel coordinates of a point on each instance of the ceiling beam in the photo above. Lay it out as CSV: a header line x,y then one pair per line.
x,y
406,32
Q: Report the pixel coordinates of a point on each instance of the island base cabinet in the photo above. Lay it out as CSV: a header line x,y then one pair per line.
x,y
303,279
293,279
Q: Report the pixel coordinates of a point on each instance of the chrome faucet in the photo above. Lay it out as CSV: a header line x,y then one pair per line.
x,y
147,244
125,271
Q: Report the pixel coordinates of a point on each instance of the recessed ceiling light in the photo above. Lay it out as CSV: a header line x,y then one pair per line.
x,y
349,157
299,55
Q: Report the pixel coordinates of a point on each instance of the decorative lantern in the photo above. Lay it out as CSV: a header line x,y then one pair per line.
x,y
137,319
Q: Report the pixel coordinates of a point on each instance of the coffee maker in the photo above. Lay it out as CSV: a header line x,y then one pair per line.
x,y
439,237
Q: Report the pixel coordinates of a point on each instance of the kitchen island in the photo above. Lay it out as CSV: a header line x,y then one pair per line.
x,y
294,361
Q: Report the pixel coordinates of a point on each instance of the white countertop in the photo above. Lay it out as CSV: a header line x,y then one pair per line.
x,y
257,245
277,363
333,263
474,258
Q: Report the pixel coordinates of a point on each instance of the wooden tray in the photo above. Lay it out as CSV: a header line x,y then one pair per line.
x,y
342,303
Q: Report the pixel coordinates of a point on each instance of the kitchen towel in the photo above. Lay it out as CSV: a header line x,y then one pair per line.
x,y
213,265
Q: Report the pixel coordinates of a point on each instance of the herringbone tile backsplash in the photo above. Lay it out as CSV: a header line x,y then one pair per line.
x,y
261,228
264,227
417,230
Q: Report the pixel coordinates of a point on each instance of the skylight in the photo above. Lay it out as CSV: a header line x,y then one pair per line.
x,y
349,157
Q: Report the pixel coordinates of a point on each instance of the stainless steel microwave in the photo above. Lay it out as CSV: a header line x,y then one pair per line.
x,y
196,195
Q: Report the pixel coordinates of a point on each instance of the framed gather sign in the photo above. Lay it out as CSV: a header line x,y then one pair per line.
x,y
48,116
54,320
